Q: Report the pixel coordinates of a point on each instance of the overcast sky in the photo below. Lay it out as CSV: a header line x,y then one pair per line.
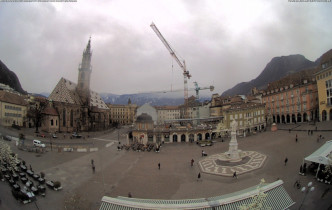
x,y
222,42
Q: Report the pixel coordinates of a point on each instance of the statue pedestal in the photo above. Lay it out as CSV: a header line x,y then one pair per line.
x,y
233,152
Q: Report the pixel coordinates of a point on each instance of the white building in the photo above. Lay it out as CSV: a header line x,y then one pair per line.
x,y
148,109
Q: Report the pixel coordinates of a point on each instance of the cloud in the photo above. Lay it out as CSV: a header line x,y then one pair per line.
x,y
223,42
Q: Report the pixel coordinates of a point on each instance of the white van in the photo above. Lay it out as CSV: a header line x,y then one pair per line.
x,y
38,143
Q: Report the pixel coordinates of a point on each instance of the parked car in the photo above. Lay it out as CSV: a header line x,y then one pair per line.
x,y
35,177
41,180
30,173
6,138
21,196
54,185
76,135
38,143
41,135
41,190
23,167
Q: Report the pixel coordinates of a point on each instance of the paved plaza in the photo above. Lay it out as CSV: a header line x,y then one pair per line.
x,y
121,172
218,164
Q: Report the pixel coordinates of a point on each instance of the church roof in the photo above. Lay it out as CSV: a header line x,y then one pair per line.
x,y
50,111
65,91
144,117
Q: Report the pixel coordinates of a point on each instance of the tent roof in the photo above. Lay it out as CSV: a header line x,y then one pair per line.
x,y
277,198
321,154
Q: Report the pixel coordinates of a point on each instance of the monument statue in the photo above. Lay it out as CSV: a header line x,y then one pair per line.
x,y
234,125
233,151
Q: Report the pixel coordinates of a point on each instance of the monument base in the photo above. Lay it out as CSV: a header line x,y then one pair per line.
x,y
233,157
221,164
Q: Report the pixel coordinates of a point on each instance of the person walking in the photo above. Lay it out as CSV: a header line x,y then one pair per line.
x,y
317,139
93,169
199,176
192,162
286,160
92,161
234,174
129,195
296,138
159,166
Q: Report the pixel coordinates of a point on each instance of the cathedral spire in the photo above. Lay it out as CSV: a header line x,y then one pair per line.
x,y
88,47
84,74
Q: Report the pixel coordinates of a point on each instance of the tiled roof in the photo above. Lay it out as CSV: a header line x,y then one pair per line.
x,y
326,59
97,101
277,198
243,106
12,98
167,107
50,111
65,91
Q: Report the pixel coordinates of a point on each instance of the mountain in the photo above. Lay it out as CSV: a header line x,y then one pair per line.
x,y
276,69
155,99
9,78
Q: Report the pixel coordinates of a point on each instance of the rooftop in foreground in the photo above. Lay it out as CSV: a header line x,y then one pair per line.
x,y
277,198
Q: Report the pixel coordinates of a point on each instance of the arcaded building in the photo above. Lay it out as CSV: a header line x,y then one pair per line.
x,y
292,99
145,131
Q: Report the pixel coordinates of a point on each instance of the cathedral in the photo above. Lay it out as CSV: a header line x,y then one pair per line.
x,y
74,107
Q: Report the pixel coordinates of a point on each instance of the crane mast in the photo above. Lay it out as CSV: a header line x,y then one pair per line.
x,y
186,74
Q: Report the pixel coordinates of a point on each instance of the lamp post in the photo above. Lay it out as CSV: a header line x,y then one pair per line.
x,y
306,190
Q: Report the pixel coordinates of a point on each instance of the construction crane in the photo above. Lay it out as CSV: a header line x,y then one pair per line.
x,y
182,64
197,89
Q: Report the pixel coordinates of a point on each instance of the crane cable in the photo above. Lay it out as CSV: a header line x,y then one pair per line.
x,y
172,76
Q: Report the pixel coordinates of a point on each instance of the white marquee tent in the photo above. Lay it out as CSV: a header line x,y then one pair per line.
x,y
321,155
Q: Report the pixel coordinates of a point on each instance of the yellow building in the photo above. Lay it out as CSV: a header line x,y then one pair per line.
x,y
122,114
13,109
249,116
324,85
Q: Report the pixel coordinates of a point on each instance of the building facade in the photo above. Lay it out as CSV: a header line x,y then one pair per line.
x,y
292,99
324,85
165,113
145,131
13,109
122,114
78,107
148,109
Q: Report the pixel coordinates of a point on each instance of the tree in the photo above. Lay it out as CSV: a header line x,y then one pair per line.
x,y
258,200
7,155
36,113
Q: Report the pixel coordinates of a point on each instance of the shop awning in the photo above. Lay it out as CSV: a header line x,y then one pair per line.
x,y
321,155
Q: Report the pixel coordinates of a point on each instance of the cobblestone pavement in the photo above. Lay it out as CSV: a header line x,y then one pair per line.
x,y
121,172
218,164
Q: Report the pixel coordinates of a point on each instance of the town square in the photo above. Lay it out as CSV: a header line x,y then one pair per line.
x,y
121,172
126,104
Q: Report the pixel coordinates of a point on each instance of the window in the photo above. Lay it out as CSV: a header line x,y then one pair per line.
x,y
64,117
329,91
51,122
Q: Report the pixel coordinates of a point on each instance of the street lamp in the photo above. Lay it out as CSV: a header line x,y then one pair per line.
x,y
306,190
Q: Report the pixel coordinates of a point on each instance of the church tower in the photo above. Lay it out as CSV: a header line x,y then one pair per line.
x,y
84,74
